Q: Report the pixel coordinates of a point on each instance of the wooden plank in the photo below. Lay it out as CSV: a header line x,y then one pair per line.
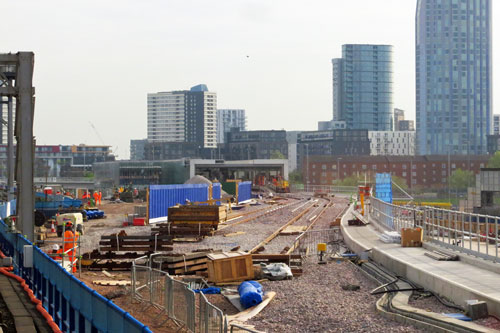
x,y
232,234
111,283
133,243
146,237
293,230
132,248
187,263
253,311
191,269
174,257
276,256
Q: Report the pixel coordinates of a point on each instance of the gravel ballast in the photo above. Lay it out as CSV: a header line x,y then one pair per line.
x,y
316,302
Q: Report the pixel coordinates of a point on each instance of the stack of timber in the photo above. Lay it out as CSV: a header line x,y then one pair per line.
x,y
117,251
193,263
142,243
192,221
294,261
196,231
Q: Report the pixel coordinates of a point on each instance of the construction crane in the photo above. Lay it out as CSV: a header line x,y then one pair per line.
x,y
96,132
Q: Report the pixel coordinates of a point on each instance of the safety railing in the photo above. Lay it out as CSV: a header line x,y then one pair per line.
x,y
473,234
394,217
306,243
71,303
175,299
323,189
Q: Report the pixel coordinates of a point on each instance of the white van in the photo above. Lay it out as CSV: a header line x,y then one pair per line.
x,y
75,218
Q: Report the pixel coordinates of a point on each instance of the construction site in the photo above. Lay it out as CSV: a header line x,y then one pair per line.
x,y
230,246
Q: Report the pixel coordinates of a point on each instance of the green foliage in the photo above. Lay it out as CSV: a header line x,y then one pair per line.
x,y
277,155
494,161
401,182
460,179
295,177
88,174
351,181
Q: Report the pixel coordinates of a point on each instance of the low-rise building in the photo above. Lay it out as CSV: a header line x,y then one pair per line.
x,y
252,145
62,160
393,143
425,171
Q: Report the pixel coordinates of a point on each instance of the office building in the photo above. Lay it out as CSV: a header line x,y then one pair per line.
x,y
332,142
252,145
331,125
184,116
230,118
392,143
496,124
453,81
406,125
362,87
399,115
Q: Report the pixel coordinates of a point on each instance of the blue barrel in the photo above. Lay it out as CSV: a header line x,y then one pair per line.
x,y
250,293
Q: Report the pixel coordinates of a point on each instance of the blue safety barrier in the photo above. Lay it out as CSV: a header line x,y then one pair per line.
x,y
216,192
244,191
161,197
72,304
383,187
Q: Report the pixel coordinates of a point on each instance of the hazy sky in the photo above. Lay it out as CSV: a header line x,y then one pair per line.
x,y
95,61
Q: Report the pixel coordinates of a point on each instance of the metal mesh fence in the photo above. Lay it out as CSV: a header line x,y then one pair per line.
x,y
211,318
474,234
306,244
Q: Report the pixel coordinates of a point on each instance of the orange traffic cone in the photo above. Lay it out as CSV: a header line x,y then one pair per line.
x,y
52,228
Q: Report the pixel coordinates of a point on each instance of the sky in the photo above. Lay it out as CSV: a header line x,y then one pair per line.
x,y
95,61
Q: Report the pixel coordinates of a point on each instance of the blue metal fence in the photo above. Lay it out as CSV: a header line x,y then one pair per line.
x,y
163,196
244,191
71,303
216,192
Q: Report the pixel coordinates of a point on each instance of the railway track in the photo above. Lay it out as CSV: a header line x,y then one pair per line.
x,y
266,211
308,213
391,305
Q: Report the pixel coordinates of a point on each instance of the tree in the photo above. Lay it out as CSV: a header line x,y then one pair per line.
x,y
494,161
352,180
460,179
295,177
277,155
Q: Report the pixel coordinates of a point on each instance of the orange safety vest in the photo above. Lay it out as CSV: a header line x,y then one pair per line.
x,y
68,240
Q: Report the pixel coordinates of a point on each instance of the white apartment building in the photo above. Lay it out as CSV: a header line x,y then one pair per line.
x,y
230,118
397,143
183,116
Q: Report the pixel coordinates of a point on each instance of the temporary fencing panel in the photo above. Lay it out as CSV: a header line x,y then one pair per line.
x,y
72,304
161,197
244,191
216,192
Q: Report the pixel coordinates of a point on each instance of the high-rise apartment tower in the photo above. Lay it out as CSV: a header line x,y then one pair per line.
x,y
184,116
453,76
362,87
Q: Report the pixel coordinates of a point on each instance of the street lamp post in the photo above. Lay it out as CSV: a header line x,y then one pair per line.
x,y
307,167
338,170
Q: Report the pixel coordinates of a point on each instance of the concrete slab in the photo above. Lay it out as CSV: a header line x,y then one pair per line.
x,y
456,280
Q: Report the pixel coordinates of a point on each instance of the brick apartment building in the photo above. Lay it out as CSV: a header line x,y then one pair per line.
x,y
431,170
